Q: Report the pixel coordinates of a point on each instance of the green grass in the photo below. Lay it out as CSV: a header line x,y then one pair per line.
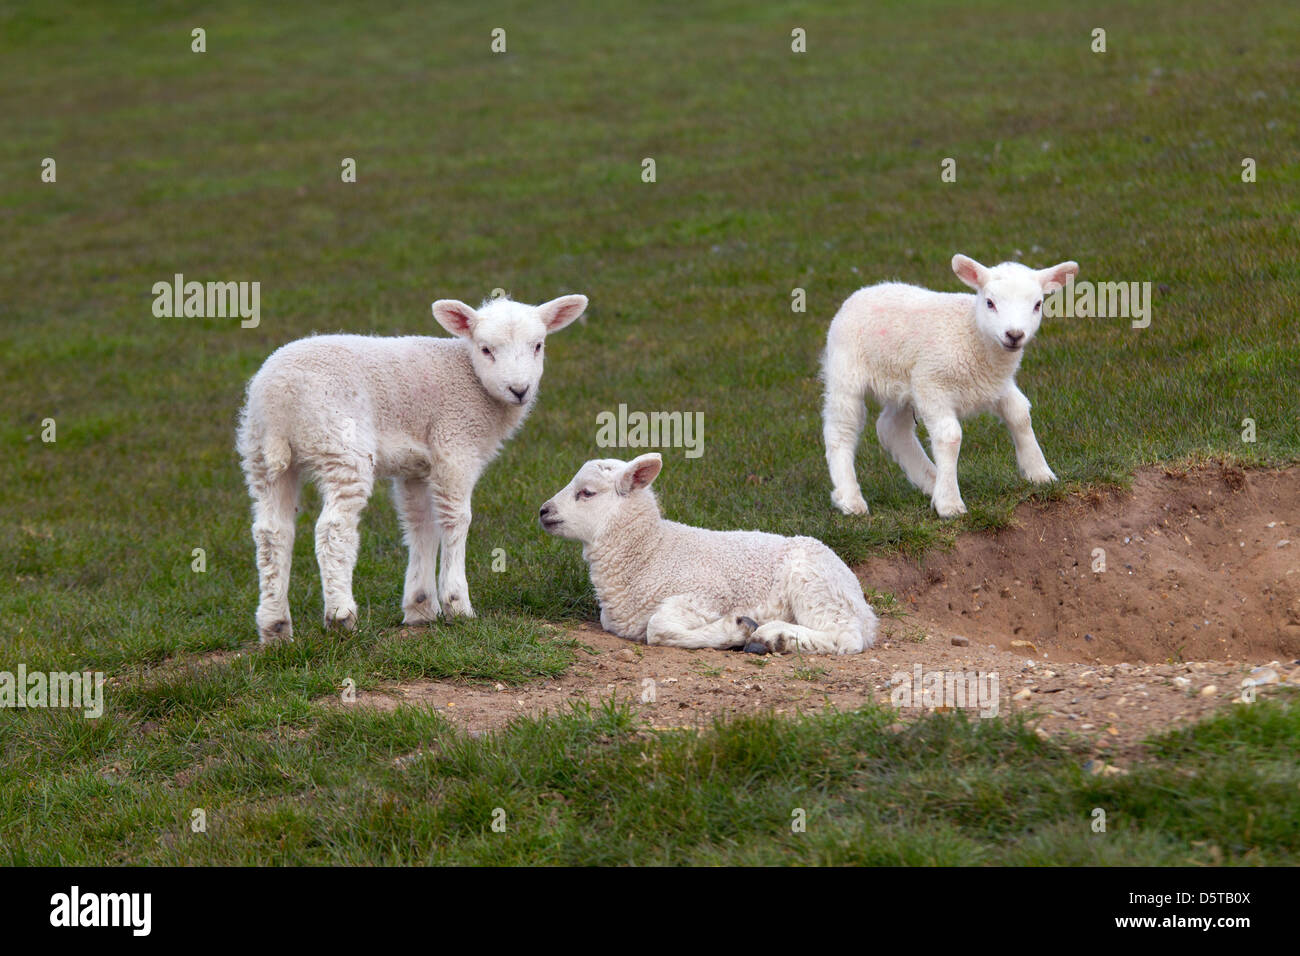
x,y
522,171
285,784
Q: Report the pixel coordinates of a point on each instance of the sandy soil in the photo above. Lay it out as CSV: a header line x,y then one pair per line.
x,y
1200,590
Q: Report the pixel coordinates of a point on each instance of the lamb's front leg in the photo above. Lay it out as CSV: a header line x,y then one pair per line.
x,y
452,510
690,621
1013,408
945,441
414,499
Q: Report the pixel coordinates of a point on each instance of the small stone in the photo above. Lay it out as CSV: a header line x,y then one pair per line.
x,y
1284,542
1023,694
961,641
626,655
1183,682
1099,768
1209,690
1260,675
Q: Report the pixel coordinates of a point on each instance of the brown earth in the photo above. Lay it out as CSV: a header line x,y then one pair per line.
x,y
1200,585
1197,566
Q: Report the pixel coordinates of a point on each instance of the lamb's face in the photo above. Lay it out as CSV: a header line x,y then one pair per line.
x,y
1009,298
507,340
587,505
1009,306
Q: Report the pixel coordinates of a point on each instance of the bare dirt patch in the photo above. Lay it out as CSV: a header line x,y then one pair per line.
x,y
1201,565
1199,590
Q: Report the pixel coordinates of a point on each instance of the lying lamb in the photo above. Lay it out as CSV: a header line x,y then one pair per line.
x,y
939,356
666,583
429,413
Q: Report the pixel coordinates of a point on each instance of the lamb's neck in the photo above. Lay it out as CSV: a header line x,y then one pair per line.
x,y
630,543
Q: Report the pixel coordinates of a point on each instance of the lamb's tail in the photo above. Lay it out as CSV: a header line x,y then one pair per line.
x,y
266,455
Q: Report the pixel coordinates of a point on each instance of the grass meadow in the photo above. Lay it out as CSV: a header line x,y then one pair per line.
x,y
522,170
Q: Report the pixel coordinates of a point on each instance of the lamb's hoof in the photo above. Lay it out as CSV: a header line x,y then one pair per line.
x,y
850,504
757,647
342,620
279,632
748,623
1044,477
457,607
420,611
949,509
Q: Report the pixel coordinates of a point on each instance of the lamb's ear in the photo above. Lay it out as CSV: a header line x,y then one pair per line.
x,y
1053,279
558,313
455,316
639,472
970,272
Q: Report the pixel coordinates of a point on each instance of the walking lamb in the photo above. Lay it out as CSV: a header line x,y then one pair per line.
x,y
939,356
429,413
667,583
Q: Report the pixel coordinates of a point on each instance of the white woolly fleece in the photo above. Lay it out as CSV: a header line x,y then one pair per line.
x,y
663,582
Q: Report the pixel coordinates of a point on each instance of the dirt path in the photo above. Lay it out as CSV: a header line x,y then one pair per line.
x,y
1200,587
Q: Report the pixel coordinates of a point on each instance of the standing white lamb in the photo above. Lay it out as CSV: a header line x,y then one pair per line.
x,y
939,357
429,413
667,583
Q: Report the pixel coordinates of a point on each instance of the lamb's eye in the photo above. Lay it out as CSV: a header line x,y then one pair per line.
x,y
537,348
1038,305
586,493
487,351
989,303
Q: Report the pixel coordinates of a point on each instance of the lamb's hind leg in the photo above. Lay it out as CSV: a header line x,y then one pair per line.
x,y
830,614
844,412
896,429
690,621
345,485
414,499
275,503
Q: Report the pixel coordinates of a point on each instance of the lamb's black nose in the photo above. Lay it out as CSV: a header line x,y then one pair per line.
x,y
544,510
1014,336
519,393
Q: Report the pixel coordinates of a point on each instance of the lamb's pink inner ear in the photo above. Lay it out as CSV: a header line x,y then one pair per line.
x,y
560,312
456,317
969,271
1054,279
640,473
